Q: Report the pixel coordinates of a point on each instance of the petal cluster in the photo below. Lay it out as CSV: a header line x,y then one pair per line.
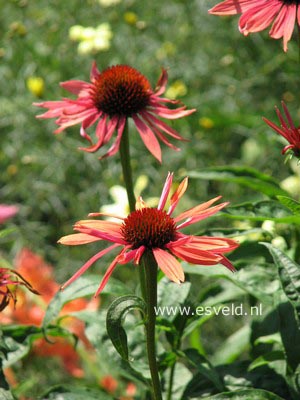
x,y
201,250
287,129
128,86
257,15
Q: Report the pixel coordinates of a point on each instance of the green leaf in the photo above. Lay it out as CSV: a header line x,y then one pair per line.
x,y
263,210
232,347
85,286
243,176
290,334
292,204
68,392
202,365
115,317
247,394
268,358
289,273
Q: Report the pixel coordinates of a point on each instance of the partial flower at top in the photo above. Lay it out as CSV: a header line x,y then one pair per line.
x,y
257,15
114,95
7,212
288,130
154,230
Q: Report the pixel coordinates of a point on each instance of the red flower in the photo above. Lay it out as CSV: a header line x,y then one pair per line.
x,y
287,130
257,15
114,95
154,230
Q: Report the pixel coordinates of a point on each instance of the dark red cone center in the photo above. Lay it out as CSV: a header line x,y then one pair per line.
x,y
121,90
149,227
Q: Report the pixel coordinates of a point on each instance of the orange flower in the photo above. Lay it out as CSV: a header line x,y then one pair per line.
x,y
154,230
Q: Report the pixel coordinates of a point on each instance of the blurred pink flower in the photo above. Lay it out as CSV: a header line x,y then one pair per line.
x,y
154,230
114,95
7,212
257,15
288,130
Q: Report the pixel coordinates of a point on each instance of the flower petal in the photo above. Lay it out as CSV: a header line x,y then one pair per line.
x,y
148,137
169,265
88,264
177,195
165,192
77,239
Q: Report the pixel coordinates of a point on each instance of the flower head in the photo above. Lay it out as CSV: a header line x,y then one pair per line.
x,y
114,95
288,130
257,15
157,231
9,280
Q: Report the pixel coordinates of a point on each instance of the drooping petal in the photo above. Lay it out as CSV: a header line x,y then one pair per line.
x,y
284,23
194,255
106,276
169,265
87,265
148,137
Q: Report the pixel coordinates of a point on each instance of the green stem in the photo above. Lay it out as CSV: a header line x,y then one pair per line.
x,y
126,167
127,176
147,272
150,268
171,380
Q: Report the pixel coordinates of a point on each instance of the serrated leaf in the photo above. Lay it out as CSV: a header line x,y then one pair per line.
x,y
115,317
243,176
289,273
247,394
85,286
292,204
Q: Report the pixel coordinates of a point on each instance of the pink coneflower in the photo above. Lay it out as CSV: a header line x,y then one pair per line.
x,y
9,280
257,15
114,95
287,130
7,212
154,230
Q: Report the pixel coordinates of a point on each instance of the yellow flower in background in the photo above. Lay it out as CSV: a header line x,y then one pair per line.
x,y
206,123
108,3
91,40
130,18
35,85
177,89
